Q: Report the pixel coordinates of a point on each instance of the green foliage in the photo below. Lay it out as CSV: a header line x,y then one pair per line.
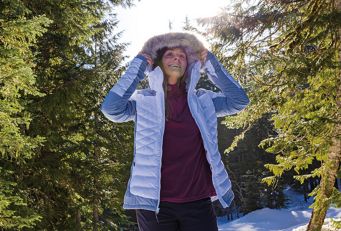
x,y
18,35
336,224
286,54
13,209
17,80
336,198
246,169
58,60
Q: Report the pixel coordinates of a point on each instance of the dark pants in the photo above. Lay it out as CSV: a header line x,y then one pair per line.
x,y
190,216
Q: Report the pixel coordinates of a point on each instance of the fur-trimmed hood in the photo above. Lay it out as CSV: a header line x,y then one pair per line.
x,y
192,46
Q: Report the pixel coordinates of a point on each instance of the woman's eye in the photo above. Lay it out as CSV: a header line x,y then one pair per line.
x,y
169,54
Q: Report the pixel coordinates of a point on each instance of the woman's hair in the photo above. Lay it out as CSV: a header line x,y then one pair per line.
x,y
180,83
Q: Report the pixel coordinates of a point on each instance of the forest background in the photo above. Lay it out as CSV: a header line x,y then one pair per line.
x,y
63,166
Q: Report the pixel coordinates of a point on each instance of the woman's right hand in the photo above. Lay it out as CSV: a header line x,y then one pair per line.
x,y
148,57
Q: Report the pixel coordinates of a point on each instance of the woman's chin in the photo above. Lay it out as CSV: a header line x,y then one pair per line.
x,y
176,74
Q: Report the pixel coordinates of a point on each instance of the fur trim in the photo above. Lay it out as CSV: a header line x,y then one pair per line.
x,y
188,42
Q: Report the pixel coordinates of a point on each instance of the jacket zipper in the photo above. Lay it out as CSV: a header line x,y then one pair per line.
x,y
162,133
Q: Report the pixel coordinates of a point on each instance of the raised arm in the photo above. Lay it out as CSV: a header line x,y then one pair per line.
x,y
232,98
117,105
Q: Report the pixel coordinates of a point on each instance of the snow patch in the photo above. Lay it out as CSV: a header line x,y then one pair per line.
x,y
293,218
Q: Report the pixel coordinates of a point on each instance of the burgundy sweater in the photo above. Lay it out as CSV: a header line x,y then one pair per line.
x,y
185,172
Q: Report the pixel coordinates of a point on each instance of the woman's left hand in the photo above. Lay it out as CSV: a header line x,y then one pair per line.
x,y
203,56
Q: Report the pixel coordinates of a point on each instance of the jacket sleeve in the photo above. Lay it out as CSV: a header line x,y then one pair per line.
x,y
232,98
117,105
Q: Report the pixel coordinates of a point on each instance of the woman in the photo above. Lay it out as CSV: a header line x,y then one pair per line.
x,y
177,167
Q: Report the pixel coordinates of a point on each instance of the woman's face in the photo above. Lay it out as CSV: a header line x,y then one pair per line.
x,y
174,63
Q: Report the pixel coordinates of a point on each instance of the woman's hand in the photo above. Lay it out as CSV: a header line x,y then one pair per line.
x,y
203,56
148,57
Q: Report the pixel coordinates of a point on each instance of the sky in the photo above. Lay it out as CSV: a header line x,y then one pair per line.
x,y
152,17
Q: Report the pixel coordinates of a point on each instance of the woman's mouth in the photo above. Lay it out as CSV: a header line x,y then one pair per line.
x,y
174,66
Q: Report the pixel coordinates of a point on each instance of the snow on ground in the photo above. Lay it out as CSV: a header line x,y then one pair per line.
x,y
293,218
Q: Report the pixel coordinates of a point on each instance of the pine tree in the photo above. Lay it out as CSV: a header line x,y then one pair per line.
x,y
18,34
287,55
246,168
78,166
79,60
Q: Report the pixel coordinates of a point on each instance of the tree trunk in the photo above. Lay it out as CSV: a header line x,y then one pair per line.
x,y
78,220
95,210
330,169
332,164
95,216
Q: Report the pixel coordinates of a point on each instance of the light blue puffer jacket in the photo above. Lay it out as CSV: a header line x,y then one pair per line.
x,y
146,108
